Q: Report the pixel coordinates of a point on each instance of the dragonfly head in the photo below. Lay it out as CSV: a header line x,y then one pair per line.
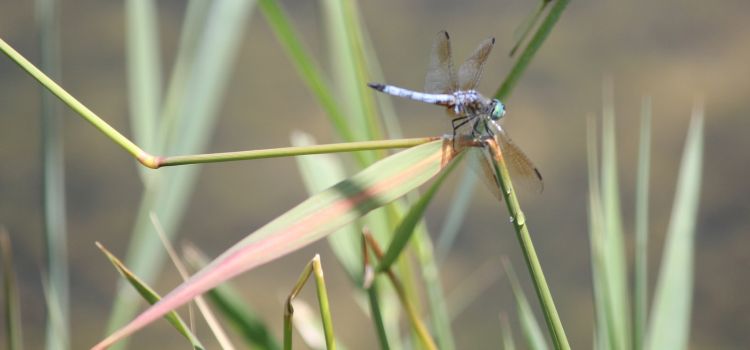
x,y
498,110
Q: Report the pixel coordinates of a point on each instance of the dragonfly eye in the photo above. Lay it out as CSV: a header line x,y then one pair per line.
x,y
498,110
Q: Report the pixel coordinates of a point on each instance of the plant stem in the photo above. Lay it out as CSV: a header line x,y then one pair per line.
x,y
291,151
524,238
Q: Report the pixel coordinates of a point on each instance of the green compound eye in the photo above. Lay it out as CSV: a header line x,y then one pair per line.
x,y
498,110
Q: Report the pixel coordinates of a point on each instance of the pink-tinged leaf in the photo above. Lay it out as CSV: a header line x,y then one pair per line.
x,y
310,221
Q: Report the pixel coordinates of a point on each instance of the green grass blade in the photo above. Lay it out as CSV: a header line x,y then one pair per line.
x,y
227,300
144,72
11,301
305,65
151,297
441,322
313,219
168,197
459,206
529,324
347,57
506,333
528,53
670,314
596,220
53,164
640,281
406,228
523,30
613,243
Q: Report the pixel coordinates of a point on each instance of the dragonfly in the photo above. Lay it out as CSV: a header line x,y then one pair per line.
x,y
468,108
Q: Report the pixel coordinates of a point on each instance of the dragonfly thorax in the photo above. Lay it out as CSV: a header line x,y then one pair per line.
x,y
471,103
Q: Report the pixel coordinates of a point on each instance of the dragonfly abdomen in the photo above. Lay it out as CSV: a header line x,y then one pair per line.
x,y
438,99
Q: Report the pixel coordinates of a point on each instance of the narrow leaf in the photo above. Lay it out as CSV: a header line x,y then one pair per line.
x,y
670,314
151,297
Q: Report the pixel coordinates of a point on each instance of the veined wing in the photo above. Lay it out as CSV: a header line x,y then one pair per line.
x,y
471,69
522,171
440,78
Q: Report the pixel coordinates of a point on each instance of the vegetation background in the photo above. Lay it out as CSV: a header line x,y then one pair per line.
x,y
673,51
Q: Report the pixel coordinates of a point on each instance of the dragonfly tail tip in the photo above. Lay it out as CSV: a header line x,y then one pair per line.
x,y
376,86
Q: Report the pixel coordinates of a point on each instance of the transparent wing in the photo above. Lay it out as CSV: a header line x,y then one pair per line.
x,y
480,162
522,171
440,77
471,69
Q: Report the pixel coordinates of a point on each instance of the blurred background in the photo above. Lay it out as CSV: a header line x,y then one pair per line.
x,y
676,52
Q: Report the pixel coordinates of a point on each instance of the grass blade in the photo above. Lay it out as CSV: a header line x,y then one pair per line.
x,y
406,228
53,164
613,242
640,283
670,314
151,297
311,220
530,326
305,65
528,53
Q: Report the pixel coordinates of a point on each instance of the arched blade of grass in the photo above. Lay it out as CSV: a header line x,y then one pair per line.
x,y
311,220
227,300
554,326
670,314
151,297
315,269
529,324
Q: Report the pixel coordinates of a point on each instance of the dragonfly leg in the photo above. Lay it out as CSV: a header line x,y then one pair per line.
x,y
475,127
461,122
487,128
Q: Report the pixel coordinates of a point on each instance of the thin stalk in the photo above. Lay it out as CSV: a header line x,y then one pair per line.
x,y
524,238
528,53
421,330
291,151
313,268
143,157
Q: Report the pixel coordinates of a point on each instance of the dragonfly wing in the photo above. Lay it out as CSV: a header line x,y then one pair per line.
x,y
471,69
522,170
480,162
440,77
